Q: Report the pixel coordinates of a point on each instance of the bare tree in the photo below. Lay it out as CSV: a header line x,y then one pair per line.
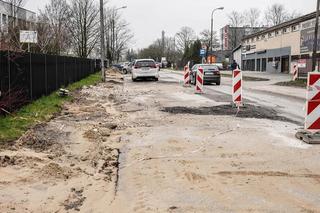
x,y
252,17
184,38
293,15
118,35
84,26
44,36
236,19
123,37
205,38
160,48
56,16
276,14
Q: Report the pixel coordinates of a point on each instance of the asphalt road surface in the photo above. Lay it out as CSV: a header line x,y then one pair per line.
x,y
287,105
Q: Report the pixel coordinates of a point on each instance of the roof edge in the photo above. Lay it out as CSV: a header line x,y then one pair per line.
x,y
284,24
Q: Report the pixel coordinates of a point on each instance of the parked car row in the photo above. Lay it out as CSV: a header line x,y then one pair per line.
x,y
148,68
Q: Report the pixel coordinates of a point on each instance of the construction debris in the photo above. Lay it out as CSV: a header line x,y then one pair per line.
x,y
308,137
63,92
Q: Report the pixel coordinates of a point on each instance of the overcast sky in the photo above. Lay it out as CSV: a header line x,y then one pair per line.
x,y
148,18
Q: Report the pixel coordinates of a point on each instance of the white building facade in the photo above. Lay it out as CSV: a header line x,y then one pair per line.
x,y
9,12
276,49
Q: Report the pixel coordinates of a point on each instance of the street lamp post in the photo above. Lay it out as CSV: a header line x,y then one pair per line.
x,y
315,43
211,38
113,29
102,41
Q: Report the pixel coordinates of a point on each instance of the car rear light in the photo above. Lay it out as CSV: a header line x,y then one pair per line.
x,y
136,67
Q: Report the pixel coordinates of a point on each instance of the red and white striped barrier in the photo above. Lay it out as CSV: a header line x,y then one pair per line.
x,y
295,72
199,80
312,121
186,76
237,87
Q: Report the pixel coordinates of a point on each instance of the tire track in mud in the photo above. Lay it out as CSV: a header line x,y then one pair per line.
x,y
266,174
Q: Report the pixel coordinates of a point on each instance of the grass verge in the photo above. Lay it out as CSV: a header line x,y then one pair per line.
x,y
43,109
246,78
301,83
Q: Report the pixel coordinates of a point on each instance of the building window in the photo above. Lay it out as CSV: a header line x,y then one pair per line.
x,y
277,32
252,40
4,19
294,28
284,30
258,38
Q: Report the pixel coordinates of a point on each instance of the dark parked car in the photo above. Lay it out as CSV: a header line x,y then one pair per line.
x,y
211,74
118,66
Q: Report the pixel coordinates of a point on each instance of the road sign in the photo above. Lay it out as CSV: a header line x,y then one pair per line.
x,y
302,63
28,36
202,52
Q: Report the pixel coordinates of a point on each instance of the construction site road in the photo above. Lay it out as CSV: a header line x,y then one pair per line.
x,y
149,146
263,93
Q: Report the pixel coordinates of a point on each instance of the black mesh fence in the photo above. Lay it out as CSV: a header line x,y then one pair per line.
x,y
35,75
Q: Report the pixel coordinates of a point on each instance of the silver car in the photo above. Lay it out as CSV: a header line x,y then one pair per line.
x,y
145,68
127,68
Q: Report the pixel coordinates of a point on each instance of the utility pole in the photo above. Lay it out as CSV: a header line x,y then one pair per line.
x,y
113,38
102,41
315,43
162,42
211,37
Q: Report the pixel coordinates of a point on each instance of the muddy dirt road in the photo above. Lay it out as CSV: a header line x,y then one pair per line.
x,y
157,147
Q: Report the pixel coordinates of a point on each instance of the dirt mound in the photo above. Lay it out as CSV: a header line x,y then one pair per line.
x,y
75,200
16,160
40,138
248,111
114,81
114,74
91,134
53,170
